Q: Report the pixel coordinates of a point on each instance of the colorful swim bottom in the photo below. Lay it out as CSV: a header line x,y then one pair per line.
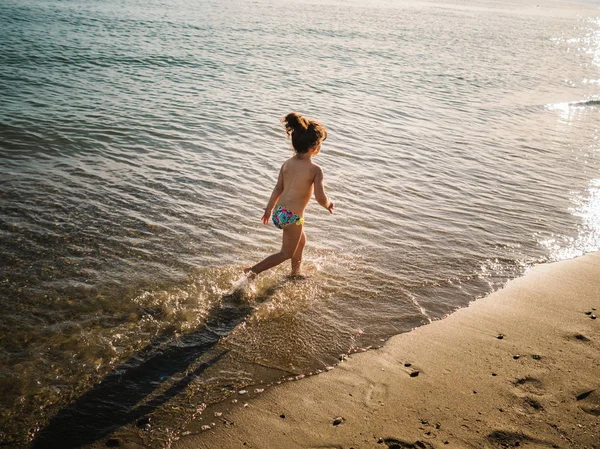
x,y
283,217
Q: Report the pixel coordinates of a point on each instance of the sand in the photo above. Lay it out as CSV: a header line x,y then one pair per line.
x,y
519,368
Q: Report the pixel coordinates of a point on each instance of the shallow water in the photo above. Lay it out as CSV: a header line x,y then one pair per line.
x,y
140,141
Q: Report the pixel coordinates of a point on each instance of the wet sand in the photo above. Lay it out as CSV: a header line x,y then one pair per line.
x,y
520,367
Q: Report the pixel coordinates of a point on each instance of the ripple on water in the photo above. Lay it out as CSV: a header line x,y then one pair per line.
x,y
140,144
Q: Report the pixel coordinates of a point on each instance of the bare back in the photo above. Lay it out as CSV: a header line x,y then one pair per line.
x,y
298,178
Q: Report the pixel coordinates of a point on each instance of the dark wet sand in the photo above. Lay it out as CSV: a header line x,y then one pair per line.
x,y
520,368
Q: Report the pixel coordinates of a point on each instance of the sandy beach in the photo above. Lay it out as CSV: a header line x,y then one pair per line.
x,y
520,367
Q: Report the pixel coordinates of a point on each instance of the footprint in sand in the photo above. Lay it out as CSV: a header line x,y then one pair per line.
x,y
530,384
579,337
525,389
393,443
589,401
376,395
501,438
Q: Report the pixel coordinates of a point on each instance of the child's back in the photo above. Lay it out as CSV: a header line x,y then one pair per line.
x,y
298,176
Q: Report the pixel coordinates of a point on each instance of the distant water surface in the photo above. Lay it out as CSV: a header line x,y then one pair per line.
x,y
140,141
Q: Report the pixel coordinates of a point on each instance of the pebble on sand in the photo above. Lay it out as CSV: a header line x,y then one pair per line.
x,y
337,421
414,373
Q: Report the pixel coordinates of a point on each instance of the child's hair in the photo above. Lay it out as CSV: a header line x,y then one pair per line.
x,y
305,133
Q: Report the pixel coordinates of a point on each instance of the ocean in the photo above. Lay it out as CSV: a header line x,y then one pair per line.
x,y
139,142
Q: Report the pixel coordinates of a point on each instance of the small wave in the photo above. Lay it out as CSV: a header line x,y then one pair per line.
x,y
585,103
574,104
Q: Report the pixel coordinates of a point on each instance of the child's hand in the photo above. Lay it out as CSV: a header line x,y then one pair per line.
x,y
266,216
331,207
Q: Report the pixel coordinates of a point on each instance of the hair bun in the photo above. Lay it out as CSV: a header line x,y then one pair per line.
x,y
294,121
304,132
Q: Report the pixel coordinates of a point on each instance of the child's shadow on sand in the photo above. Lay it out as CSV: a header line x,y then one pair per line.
x,y
114,402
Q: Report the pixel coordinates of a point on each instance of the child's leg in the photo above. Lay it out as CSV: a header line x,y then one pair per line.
x,y
297,257
289,243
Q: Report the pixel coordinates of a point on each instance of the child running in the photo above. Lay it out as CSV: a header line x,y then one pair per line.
x,y
297,178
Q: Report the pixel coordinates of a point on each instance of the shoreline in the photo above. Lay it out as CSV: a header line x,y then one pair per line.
x,y
520,367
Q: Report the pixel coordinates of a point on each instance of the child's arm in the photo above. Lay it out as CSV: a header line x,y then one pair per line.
x,y
277,191
320,194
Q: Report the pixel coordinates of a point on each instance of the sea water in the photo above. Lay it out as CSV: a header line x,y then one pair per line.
x,y
140,141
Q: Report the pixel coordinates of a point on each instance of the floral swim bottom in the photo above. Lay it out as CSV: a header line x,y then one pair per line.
x,y
283,217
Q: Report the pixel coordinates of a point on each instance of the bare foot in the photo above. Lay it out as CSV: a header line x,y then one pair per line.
x,y
297,276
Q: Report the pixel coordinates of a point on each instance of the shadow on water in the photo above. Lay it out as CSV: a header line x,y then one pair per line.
x,y
115,401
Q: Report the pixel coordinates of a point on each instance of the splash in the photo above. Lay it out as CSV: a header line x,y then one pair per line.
x,y
243,286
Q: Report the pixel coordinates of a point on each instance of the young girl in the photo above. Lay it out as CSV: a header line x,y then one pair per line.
x,y
297,177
